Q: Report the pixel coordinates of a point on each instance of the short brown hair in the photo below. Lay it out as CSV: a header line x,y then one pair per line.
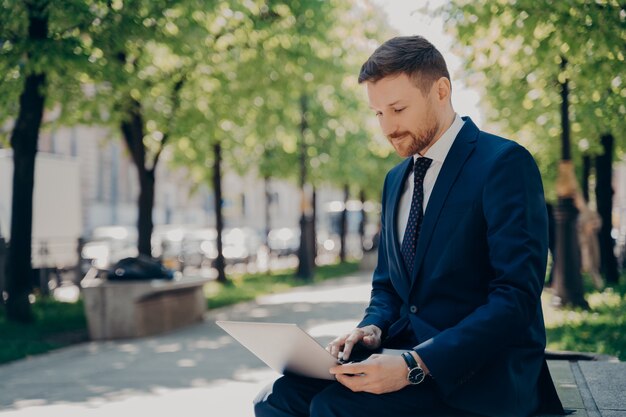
x,y
412,55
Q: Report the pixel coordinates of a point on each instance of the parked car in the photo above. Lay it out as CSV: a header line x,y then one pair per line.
x,y
107,245
284,241
240,245
199,247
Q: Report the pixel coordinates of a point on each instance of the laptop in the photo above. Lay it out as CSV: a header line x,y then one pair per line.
x,y
285,347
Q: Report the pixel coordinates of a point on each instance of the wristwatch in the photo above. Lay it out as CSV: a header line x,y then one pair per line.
x,y
416,373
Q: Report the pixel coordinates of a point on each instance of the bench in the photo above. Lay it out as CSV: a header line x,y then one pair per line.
x,y
117,310
590,388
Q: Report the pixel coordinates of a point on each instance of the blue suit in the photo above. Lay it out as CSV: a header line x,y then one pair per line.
x,y
473,302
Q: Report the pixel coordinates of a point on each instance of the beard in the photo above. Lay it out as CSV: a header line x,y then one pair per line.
x,y
414,142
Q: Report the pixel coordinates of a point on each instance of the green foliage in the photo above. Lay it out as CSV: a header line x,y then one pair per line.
x,y
62,55
600,329
226,71
513,50
56,325
253,107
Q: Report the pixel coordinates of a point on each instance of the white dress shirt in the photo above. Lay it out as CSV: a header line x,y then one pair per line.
x,y
437,153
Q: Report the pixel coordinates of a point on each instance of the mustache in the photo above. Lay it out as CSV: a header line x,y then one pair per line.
x,y
399,134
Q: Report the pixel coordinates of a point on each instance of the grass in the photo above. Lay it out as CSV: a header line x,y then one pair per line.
x,y
601,329
56,324
59,324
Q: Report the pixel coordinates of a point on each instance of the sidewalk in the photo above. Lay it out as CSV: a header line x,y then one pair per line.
x,y
201,371
195,371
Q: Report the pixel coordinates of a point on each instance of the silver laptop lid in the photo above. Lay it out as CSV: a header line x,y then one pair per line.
x,y
283,347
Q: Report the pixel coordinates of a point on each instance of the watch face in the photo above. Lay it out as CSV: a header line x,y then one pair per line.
x,y
416,376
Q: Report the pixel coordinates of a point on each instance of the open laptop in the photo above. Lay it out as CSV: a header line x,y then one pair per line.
x,y
286,347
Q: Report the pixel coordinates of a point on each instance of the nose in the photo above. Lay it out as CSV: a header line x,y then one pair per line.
x,y
387,125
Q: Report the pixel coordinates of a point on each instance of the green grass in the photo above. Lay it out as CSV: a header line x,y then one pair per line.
x,y
56,325
59,324
601,329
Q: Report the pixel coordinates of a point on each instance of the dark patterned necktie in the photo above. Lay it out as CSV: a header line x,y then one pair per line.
x,y
412,231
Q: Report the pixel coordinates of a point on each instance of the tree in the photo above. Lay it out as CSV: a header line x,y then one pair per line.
x,y
283,103
157,59
40,45
139,75
515,51
318,64
24,143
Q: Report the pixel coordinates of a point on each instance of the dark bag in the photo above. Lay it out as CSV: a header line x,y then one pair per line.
x,y
139,268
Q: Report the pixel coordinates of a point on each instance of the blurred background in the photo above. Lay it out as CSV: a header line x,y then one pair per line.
x,y
229,138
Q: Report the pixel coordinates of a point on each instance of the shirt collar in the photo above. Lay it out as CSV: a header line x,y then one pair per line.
x,y
441,147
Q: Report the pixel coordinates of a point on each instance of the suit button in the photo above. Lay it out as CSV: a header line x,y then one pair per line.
x,y
413,309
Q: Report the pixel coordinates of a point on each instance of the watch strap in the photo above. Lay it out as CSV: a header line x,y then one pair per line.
x,y
410,360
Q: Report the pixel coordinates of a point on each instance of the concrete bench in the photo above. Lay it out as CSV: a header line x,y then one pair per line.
x,y
117,310
589,388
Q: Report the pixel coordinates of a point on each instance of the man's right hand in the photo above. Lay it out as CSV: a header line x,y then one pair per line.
x,y
369,336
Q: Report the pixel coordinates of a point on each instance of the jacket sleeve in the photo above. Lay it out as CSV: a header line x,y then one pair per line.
x,y
516,220
384,306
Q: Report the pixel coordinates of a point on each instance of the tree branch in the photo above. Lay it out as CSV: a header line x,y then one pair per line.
x,y
175,105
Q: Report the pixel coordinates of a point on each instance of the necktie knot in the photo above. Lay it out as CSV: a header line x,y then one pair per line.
x,y
420,167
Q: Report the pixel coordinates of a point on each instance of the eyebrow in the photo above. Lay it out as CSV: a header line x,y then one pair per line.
x,y
389,105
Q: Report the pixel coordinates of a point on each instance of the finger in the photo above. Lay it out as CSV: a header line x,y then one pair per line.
x,y
348,368
369,340
349,343
354,383
334,346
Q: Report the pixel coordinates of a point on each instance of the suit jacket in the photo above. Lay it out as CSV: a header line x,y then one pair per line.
x,y
473,302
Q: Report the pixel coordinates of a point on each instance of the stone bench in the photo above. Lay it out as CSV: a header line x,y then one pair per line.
x,y
590,388
117,310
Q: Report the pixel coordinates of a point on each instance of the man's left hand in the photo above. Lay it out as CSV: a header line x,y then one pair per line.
x,y
378,374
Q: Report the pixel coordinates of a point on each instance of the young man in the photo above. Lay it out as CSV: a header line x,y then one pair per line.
x,y
461,265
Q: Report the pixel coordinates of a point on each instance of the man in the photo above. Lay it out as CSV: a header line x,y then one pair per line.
x,y
461,265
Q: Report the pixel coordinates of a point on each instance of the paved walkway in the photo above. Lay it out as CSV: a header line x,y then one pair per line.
x,y
195,371
201,371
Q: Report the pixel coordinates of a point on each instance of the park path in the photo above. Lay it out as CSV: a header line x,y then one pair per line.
x,y
195,371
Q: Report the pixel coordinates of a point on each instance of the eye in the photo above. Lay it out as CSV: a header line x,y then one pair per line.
x,y
378,114
398,110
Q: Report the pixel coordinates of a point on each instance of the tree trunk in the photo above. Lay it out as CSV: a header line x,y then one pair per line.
x,y
145,223
604,201
343,224
133,133
24,143
363,221
268,203
584,184
306,262
219,219
567,280
314,222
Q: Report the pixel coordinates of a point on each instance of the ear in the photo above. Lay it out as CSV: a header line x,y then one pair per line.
x,y
444,89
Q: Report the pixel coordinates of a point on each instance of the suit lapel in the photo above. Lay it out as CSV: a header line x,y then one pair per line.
x,y
459,152
397,186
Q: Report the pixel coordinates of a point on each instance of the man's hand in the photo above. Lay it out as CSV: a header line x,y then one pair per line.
x,y
369,336
377,375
